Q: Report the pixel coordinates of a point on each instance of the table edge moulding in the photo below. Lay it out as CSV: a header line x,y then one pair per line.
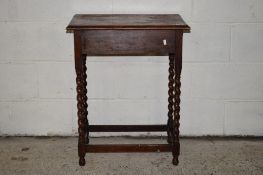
x,y
128,35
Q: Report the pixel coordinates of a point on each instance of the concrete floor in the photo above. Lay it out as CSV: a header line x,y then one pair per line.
x,y
58,156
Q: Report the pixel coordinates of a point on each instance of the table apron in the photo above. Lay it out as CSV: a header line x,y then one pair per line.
x,y
128,42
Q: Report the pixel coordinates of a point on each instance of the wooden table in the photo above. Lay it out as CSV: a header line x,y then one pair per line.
x,y
133,35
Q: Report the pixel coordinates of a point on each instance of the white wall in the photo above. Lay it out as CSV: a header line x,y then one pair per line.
x,y
222,78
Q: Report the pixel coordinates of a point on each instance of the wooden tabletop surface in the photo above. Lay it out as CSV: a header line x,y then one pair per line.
x,y
127,21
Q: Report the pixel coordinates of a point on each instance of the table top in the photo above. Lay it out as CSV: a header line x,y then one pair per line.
x,y
127,21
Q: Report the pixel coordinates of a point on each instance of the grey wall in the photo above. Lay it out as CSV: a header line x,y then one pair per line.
x,y
222,78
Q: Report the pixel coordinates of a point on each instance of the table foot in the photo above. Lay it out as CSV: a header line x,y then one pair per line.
x,y
175,160
82,161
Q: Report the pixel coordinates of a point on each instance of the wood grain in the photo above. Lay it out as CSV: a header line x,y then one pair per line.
x,y
127,21
128,42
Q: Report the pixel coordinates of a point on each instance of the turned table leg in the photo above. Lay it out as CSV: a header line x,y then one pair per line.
x,y
86,97
175,67
174,108
170,99
82,113
176,124
80,67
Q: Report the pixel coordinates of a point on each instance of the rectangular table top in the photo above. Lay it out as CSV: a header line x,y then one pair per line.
x,y
127,21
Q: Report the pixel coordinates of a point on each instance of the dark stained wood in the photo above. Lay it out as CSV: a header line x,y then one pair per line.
x,y
170,99
128,42
128,148
127,128
105,35
81,97
176,96
127,21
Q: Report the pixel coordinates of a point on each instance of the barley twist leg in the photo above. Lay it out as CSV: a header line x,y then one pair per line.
x,y
82,113
176,124
85,98
170,99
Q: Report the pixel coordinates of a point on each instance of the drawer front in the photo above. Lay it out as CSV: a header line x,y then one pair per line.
x,y
128,42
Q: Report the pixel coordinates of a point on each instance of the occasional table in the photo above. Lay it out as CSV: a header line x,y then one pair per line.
x,y
128,35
